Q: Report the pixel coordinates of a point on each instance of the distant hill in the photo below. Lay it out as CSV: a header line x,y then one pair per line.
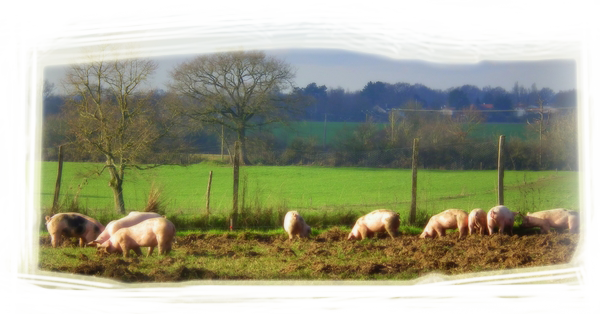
x,y
352,70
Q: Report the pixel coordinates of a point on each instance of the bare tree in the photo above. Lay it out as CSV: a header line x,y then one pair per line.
x,y
109,113
239,90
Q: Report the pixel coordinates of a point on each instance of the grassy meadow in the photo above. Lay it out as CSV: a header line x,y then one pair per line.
x,y
325,196
315,129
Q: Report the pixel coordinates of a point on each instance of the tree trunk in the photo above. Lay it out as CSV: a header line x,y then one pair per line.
x,y
116,184
241,137
119,203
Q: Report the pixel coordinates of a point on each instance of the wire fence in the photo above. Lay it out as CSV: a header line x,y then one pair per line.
x,y
364,145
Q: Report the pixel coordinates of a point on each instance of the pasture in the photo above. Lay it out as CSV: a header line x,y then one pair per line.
x,y
315,129
327,255
330,199
325,196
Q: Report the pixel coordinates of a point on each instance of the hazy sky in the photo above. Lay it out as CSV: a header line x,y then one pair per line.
x,y
436,31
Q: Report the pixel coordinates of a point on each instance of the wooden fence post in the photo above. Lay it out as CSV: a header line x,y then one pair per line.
x,y
60,159
236,154
500,171
207,200
414,181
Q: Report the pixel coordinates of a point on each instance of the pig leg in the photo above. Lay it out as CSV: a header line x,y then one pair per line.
x,y
490,227
471,229
480,230
463,232
501,229
150,251
363,232
388,228
125,249
573,224
440,231
55,239
545,228
137,250
82,242
165,248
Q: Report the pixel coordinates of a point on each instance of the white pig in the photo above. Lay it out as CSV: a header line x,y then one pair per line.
x,y
448,219
502,218
148,233
295,225
132,219
558,218
477,221
376,221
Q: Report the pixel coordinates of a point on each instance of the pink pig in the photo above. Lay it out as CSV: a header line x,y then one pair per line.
x,y
132,219
558,218
295,225
477,221
72,225
376,221
448,219
502,218
149,233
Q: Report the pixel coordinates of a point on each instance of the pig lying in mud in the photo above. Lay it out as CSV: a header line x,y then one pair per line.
x,y
148,233
295,225
132,219
376,221
477,221
448,219
558,218
502,218
72,225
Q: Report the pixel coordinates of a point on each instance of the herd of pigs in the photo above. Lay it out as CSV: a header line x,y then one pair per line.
x,y
147,229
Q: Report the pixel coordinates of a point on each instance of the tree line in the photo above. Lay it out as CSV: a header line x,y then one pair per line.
x,y
107,113
377,98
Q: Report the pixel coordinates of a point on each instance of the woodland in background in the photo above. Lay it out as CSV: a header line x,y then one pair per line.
x,y
383,137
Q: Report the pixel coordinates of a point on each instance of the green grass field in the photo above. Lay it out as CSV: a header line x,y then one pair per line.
x,y
316,129
321,194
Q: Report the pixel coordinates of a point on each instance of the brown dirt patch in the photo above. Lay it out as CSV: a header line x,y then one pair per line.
x,y
326,256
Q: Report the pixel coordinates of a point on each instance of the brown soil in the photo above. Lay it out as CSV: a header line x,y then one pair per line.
x,y
330,256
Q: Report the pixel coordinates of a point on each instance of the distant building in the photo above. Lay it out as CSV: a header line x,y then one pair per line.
x,y
447,110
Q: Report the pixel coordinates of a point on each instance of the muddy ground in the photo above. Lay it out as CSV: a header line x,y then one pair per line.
x,y
327,256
